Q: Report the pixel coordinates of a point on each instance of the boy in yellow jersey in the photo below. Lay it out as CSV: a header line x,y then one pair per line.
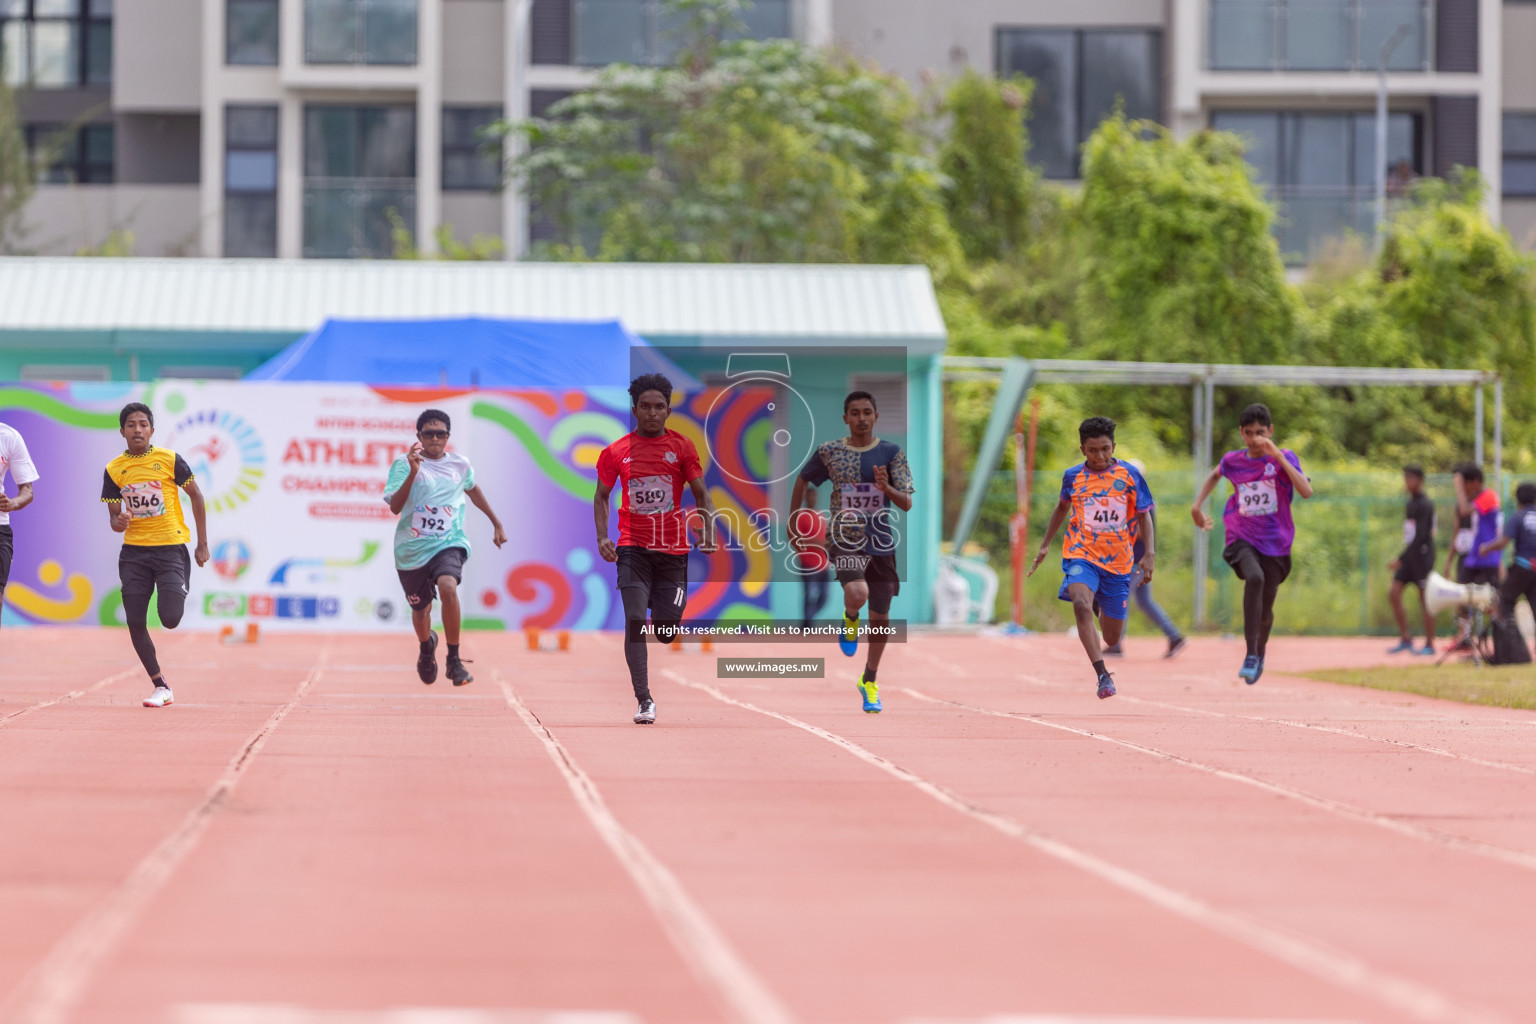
x,y
139,487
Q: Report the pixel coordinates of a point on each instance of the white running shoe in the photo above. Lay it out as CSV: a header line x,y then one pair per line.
x,y
162,697
647,713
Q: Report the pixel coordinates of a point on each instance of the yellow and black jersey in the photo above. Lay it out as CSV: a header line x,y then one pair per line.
x,y
147,485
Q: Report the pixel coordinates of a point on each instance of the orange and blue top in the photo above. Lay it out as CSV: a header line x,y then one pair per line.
x,y
1106,508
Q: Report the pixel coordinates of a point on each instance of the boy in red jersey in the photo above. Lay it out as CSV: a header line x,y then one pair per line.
x,y
652,553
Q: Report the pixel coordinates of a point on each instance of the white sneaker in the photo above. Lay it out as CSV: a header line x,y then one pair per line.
x,y
160,698
647,713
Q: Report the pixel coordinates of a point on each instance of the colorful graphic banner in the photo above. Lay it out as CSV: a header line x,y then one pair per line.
x,y
299,532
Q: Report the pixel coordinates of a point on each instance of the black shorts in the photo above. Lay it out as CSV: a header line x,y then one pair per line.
x,y
1478,574
420,583
1233,554
664,577
1415,569
145,568
878,571
7,549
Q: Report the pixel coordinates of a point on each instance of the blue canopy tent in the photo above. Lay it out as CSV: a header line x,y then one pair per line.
x,y
474,352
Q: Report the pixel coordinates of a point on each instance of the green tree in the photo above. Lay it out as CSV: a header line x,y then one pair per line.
x,y
16,176
741,151
989,188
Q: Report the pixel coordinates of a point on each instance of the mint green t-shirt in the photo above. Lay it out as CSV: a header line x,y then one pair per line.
x,y
433,517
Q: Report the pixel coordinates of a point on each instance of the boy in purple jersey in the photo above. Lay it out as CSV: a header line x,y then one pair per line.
x,y
1258,524
1110,510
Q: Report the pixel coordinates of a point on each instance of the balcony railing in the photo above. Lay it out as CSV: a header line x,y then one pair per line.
x,y
642,32
349,217
1318,35
360,32
1309,215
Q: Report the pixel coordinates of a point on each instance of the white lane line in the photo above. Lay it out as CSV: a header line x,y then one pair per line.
x,y
52,991
698,941
285,1013
1329,963
6,719
1059,1018
1515,858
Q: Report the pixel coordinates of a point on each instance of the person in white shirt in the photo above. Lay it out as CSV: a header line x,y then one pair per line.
x,y
15,461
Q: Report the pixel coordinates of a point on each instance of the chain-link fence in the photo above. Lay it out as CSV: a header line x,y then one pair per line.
x,y
1347,533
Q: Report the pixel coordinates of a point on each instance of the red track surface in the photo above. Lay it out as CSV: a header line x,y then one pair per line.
x,y
309,830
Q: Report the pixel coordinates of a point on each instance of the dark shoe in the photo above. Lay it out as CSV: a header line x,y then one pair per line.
x,y
457,673
1176,647
426,663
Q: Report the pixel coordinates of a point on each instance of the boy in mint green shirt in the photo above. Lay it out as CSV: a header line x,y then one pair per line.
x,y
426,489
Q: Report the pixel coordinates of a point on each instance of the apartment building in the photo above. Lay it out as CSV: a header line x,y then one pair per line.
x,y
293,128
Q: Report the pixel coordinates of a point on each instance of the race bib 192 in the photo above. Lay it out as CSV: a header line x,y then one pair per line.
x,y
1258,498
431,520
650,495
144,500
862,500
1105,514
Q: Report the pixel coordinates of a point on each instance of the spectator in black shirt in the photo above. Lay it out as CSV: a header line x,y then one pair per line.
x,y
1415,562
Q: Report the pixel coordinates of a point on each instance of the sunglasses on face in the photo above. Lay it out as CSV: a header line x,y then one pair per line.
x,y
433,435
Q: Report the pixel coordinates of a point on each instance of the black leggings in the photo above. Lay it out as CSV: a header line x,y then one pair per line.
x,y
136,610
1261,576
636,600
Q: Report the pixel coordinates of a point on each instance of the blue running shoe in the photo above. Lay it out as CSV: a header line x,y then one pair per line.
x,y
1249,673
1403,647
1426,651
1106,686
1257,672
849,640
870,691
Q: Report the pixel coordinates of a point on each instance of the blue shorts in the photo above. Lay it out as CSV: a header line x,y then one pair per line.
x,y
1113,589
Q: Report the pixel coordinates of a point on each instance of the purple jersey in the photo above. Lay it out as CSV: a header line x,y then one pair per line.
x,y
1259,510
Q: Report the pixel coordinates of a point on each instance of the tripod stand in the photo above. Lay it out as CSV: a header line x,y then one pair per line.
x,y
1477,643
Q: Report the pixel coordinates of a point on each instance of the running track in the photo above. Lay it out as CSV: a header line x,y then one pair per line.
x,y
310,836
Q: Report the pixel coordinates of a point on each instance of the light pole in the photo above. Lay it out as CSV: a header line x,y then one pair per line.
x,y
1387,47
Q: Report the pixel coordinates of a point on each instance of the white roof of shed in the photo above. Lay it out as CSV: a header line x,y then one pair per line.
x,y
892,305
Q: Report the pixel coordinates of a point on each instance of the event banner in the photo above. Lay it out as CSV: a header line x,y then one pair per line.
x,y
300,535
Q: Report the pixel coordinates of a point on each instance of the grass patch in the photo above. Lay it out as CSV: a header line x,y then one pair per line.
x,y
1500,686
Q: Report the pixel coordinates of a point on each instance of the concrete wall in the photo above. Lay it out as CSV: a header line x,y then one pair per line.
x,y
156,47
472,38
472,213
1520,221
1519,70
912,37
66,218
158,149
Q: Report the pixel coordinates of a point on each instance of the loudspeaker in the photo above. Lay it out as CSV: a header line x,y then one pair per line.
x,y
1440,594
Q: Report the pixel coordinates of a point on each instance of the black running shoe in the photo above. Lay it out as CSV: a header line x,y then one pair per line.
x,y
426,662
457,673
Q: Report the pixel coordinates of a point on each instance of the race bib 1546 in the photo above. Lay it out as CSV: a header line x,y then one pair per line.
x,y
144,500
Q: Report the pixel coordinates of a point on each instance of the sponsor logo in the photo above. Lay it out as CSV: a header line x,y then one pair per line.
x,y
1269,469
225,454
224,606
231,558
321,570
669,456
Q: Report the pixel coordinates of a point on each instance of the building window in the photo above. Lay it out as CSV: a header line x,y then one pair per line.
x,y
469,165
80,156
250,181
1306,35
1321,169
644,32
1080,75
359,167
56,44
360,31
250,32
1519,155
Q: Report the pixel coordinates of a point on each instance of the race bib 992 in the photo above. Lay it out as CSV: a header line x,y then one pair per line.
x,y
1258,498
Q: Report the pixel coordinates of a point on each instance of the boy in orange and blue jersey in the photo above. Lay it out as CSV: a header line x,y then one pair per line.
x,y
1110,508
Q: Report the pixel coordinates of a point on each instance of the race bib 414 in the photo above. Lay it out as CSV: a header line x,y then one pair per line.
x,y
1106,514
